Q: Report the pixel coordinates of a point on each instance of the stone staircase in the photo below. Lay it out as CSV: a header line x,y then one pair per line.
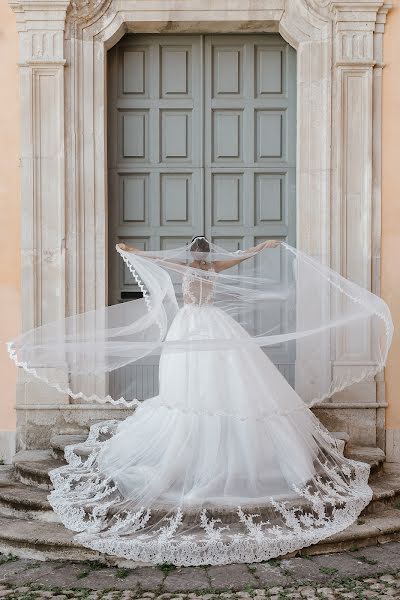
x,y
30,529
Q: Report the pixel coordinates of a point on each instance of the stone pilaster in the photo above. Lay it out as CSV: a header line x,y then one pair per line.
x,y
355,205
41,63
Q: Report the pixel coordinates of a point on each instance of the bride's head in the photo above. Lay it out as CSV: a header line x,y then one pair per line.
x,y
200,244
200,249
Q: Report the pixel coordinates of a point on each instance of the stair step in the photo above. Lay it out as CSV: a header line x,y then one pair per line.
x,y
386,489
371,530
58,443
41,541
51,541
32,467
25,502
30,501
375,457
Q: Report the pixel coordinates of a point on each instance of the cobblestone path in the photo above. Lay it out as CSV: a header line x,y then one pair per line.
x,y
372,572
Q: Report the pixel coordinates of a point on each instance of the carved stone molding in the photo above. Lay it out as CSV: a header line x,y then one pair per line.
x,y
355,25
41,29
82,11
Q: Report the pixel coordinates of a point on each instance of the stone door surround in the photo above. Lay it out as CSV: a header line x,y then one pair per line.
x,y
63,75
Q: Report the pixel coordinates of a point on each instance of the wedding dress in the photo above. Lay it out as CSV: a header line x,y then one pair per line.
x,y
227,463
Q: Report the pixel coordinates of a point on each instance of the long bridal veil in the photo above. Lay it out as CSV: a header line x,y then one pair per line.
x,y
221,460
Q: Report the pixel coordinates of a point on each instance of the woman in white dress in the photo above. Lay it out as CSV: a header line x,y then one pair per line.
x,y
226,463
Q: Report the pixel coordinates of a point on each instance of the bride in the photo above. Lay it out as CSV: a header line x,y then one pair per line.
x,y
227,463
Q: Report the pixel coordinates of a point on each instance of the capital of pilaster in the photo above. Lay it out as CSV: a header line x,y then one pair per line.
x,y
381,17
41,25
355,23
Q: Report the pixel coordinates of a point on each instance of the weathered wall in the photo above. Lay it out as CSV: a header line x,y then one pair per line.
x,y
9,222
390,280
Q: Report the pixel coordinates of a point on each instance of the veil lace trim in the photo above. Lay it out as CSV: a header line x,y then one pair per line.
x,y
83,498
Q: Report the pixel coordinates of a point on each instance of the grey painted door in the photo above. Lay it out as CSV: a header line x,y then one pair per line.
x,y
201,140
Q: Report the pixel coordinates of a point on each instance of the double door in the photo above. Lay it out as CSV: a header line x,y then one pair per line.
x,y
201,140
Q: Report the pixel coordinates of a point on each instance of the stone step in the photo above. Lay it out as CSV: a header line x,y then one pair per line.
x,y
58,443
371,530
51,541
41,541
32,467
375,457
386,488
25,502
30,501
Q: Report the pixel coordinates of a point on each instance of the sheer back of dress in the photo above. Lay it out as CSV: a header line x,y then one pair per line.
x,y
198,286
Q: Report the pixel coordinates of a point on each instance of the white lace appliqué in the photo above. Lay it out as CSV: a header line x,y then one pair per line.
x,y
89,503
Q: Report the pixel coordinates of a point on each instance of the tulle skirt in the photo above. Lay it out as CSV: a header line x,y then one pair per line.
x,y
226,464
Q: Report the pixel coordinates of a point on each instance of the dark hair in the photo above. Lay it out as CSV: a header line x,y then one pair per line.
x,y
199,244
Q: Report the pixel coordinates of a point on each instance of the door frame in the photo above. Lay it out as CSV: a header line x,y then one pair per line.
x,y
63,48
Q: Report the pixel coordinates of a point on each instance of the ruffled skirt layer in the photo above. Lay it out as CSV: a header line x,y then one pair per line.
x,y
226,464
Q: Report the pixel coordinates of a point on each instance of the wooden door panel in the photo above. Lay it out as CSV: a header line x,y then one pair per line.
x,y
250,152
201,139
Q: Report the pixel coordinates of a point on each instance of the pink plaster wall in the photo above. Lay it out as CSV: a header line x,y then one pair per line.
x,y
9,210
390,282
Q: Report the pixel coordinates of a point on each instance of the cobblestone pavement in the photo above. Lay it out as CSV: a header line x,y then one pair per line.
x,y
372,572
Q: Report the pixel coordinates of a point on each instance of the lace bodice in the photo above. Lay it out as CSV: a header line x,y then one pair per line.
x,y
198,287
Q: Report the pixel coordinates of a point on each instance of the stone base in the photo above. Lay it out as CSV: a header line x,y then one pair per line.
x,y
36,424
7,446
364,422
393,445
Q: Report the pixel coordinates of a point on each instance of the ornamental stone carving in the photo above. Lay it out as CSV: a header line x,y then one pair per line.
x,y
85,10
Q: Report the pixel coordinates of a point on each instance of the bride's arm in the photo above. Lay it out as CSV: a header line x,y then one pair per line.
x,y
222,265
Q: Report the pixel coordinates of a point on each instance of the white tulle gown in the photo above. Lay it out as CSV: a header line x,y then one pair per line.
x,y
197,455
226,434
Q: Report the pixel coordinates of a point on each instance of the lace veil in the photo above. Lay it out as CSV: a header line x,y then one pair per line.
x,y
322,331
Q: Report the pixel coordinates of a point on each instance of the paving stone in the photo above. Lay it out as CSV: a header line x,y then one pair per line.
x,y
144,578
388,578
267,575
234,577
325,592
97,585
307,592
106,579
9,570
62,576
393,547
149,578
383,556
186,580
346,564
302,570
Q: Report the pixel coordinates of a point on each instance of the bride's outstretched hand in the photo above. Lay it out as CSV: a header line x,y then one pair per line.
x,y
268,244
121,246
